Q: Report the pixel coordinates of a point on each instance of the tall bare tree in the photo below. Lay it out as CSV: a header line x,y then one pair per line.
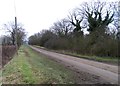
x,y
62,27
16,35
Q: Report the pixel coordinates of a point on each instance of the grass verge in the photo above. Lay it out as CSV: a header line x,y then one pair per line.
x,y
108,60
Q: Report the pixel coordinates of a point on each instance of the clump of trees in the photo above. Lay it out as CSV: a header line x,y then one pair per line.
x,y
70,33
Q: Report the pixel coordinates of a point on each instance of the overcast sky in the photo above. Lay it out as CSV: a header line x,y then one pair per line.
x,y
36,15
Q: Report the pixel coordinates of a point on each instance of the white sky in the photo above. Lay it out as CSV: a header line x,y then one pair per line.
x,y
36,15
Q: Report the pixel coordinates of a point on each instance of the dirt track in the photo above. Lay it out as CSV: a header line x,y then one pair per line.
x,y
106,73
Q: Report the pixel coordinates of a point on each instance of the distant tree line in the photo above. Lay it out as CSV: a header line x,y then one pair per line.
x,y
92,18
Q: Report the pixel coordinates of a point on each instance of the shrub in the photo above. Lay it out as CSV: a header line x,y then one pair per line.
x,y
7,53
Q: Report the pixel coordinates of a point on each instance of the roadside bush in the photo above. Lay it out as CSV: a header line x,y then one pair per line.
x,y
57,43
79,45
108,47
46,36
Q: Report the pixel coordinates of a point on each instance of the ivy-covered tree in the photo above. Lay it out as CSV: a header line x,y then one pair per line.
x,y
76,20
98,14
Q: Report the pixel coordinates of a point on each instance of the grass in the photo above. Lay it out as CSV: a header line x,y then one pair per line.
x,y
109,60
18,70
96,58
30,67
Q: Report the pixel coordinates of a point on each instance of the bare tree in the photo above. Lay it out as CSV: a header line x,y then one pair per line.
x,y
62,27
19,33
117,18
20,36
75,19
10,28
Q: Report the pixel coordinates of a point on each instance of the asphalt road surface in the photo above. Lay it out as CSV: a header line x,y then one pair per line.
x,y
106,72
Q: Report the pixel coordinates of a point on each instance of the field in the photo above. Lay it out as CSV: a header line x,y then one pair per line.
x,y
29,67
